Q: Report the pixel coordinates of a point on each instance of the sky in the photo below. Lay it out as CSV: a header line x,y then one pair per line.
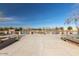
x,y
35,15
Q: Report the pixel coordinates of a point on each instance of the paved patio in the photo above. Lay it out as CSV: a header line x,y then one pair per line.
x,y
41,45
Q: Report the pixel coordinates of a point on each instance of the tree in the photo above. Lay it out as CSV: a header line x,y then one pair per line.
x,y
11,28
62,30
20,28
76,24
74,17
6,28
74,20
1,28
56,30
69,29
16,29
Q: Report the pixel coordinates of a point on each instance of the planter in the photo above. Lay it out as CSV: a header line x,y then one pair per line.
x,y
7,42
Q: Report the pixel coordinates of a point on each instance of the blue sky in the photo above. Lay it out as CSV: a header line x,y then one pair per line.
x,y
35,15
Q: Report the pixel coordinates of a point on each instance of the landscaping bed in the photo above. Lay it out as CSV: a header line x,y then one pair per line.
x,y
72,38
8,41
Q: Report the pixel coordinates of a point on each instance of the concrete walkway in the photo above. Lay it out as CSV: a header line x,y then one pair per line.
x,y
41,45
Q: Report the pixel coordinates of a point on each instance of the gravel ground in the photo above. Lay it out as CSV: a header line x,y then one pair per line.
x,y
41,45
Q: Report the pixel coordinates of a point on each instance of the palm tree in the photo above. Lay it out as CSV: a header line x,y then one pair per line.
x,y
69,29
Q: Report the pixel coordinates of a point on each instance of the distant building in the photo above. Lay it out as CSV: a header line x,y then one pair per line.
x,y
11,31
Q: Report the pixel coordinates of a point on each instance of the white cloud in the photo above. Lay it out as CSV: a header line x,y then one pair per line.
x,y
3,17
6,18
